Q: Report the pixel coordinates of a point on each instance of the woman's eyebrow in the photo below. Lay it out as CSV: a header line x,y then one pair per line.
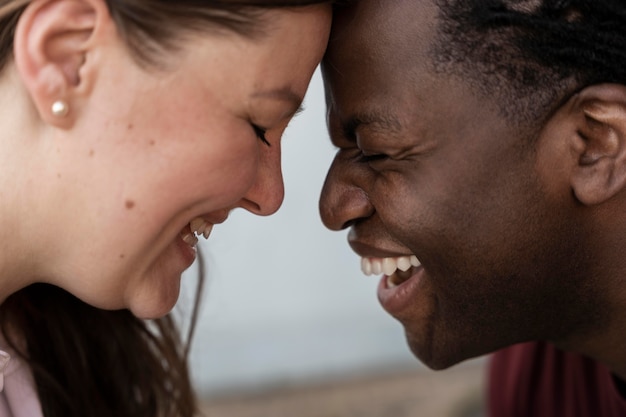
x,y
283,94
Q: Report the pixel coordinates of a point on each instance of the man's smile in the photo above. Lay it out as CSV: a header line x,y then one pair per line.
x,y
397,269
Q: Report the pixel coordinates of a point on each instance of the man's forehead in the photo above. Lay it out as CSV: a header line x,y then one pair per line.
x,y
376,70
375,33
361,19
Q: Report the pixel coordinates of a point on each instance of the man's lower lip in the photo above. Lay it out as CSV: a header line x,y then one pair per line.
x,y
396,299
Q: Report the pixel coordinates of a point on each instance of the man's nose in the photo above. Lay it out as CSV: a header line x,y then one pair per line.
x,y
268,191
342,201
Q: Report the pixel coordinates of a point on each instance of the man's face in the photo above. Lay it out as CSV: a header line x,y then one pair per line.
x,y
427,168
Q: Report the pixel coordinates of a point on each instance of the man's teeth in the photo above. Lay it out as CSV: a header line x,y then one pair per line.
x,y
199,226
388,266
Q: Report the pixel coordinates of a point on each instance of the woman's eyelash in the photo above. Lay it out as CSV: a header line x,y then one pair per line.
x,y
260,133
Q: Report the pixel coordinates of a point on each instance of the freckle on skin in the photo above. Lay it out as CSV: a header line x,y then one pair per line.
x,y
91,152
152,143
130,126
122,256
130,204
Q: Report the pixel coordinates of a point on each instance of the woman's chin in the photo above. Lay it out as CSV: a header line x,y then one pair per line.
x,y
154,311
155,302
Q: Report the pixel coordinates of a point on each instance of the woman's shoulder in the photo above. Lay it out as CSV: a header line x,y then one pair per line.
x,y
18,395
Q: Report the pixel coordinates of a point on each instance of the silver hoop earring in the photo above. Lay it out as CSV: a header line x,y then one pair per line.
x,y
60,108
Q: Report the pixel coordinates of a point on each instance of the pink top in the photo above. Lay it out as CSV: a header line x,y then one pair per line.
x,y
18,396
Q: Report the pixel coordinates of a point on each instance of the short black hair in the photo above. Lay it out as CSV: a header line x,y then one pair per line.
x,y
532,55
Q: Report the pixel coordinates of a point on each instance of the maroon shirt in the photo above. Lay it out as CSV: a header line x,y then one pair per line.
x,y
538,380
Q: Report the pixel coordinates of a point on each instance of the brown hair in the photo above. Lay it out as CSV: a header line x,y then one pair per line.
x,y
91,362
149,26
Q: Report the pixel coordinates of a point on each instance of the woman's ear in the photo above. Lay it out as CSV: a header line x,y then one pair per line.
x,y
53,39
599,114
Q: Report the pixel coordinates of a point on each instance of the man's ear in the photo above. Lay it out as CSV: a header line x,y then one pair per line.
x,y
52,43
599,113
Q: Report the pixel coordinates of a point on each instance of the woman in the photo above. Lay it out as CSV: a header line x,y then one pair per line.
x,y
128,128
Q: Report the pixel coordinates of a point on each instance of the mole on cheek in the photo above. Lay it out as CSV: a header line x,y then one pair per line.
x,y
130,204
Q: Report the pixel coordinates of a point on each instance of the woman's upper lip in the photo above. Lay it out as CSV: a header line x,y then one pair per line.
x,y
215,221
366,250
215,218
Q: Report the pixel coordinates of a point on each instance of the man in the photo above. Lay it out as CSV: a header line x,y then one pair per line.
x,y
482,171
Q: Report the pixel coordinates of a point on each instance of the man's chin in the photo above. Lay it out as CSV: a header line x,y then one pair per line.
x,y
436,357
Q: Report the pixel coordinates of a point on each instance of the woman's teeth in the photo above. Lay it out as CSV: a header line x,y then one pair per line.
x,y
388,266
200,227
197,227
190,239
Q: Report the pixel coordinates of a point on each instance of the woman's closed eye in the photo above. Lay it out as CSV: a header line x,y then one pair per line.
x,y
260,133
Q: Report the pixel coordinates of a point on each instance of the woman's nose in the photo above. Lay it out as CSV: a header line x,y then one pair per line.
x,y
266,194
342,202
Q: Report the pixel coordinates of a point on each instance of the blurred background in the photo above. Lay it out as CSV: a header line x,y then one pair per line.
x,y
289,326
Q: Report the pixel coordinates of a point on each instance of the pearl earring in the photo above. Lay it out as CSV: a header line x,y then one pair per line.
x,y
60,108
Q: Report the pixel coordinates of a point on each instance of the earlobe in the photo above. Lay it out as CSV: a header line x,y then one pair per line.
x,y
52,41
600,144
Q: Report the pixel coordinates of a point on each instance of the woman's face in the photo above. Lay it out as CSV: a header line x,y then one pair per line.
x,y
152,149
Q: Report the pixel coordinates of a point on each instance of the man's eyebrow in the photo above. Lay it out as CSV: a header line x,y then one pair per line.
x,y
283,94
376,120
